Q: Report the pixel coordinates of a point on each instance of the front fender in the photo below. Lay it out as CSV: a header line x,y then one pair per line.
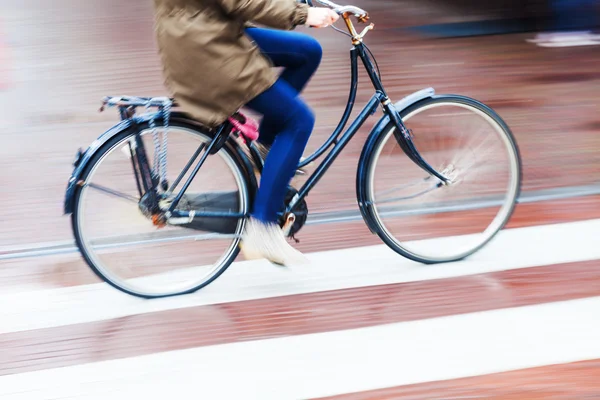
x,y
362,175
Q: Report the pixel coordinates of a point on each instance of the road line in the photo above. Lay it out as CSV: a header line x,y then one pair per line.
x,y
331,363
330,270
68,246
326,311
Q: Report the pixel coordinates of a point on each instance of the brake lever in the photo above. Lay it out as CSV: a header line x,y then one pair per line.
x,y
367,29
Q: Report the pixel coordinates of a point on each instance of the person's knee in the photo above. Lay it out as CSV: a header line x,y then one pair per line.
x,y
303,121
313,50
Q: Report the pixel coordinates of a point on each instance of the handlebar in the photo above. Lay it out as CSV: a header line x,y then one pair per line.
x,y
361,14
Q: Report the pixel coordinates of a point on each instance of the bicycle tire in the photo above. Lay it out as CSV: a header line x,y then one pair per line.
x,y
237,156
374,220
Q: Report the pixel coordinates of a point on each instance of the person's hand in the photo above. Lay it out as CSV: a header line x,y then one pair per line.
x,y
320,17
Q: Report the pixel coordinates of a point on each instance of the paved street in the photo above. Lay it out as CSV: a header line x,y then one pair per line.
x,y
517,320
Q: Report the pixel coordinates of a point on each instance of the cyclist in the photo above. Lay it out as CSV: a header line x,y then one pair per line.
x,y
215,62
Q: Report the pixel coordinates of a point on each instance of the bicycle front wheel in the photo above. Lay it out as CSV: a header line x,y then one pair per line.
x,y
121,243
428,222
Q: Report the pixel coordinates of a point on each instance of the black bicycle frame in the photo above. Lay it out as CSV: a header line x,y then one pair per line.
x,y
337,139
380,97
340,143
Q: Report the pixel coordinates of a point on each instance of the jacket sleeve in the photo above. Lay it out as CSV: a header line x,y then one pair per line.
x,y
281,14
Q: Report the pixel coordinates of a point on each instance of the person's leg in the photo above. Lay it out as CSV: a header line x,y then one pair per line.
x,y
294,123
299,54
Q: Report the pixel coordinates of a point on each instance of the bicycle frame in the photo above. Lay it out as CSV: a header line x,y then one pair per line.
x,y
337,139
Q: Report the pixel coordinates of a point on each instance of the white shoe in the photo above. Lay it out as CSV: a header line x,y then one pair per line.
x,y
267,240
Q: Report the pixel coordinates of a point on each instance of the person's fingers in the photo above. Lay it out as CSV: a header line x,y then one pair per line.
x,y
313,17
333,15
321,17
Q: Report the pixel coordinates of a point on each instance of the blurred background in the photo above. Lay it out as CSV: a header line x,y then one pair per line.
x,y
60,58
533,61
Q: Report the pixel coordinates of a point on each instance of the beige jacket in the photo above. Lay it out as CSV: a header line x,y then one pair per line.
x,y
211,67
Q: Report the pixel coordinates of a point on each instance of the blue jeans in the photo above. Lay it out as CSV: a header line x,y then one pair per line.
x,y
287,121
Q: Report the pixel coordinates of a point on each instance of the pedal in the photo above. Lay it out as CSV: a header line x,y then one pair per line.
x,y
182,220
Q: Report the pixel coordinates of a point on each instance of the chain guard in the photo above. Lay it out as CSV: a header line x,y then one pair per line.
x,y
300,211
153,208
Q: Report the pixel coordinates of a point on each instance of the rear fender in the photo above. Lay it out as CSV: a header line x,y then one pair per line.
x,y
83,159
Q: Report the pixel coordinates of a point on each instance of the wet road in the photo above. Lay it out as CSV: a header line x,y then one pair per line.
x,y
58,59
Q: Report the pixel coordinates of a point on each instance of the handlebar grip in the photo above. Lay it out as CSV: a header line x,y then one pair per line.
x,y
360,14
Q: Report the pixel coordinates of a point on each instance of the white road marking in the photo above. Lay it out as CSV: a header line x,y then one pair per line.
x,y
330,270
322,364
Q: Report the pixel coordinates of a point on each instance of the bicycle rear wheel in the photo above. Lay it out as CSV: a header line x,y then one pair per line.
x,y
123,246
417,216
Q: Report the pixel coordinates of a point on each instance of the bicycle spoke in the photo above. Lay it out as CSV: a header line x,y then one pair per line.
x,y
395,189
115,193
441,207
396,199
154,238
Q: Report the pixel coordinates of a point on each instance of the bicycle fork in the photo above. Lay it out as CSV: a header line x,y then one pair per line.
x,y
401,133
404,140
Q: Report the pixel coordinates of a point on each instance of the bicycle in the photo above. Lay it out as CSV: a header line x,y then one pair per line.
x,y
222,213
